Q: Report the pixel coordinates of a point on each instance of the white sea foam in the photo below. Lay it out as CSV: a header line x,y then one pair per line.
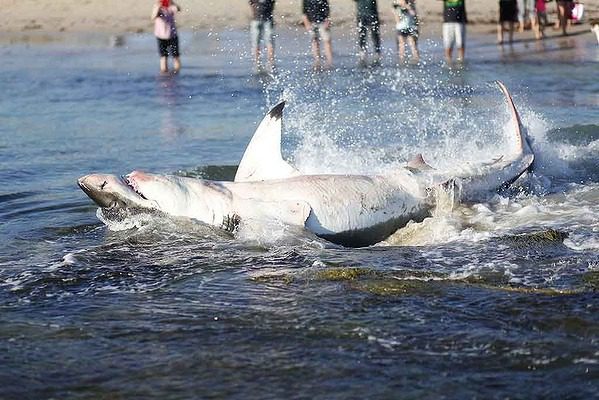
x,y
586,241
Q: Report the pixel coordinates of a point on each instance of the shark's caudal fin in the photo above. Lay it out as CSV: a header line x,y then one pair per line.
x,y
262,159
503,170
521,137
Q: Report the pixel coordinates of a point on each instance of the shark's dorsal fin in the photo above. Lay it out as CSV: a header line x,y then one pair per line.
x,y
262,159
417,163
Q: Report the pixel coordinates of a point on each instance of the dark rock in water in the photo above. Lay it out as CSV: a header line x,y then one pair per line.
x,y
397,287
591,280
345,274
392,283
548,237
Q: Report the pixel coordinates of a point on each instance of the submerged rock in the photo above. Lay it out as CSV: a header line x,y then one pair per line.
x,y
344,274
547,237
591,280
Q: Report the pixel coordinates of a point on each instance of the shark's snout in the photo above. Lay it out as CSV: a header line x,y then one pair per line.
x,y
109,191
96,187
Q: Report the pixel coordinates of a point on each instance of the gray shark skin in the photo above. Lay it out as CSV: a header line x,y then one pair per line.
x,y
350,210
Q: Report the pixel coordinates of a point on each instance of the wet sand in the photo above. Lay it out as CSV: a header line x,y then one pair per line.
x,y
111,22
132,16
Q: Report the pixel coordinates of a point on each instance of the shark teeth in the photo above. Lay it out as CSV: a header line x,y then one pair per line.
x,y
133,185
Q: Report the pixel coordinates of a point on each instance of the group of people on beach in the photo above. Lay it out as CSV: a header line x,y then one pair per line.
x,y
317,22
512,12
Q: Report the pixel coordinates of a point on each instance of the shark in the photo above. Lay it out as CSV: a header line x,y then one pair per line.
x,y
349,210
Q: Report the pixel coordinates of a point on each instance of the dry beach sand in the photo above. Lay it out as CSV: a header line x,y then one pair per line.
x,y
132,16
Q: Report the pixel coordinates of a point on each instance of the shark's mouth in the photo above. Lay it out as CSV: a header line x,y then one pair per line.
x,y
127,181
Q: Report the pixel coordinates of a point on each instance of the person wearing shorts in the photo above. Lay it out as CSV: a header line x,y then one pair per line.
x,y
165,30
262,29
508,15
406,27
316,17
454,28
564,8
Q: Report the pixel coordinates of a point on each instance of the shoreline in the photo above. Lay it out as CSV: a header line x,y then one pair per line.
x,y
120,17
101,38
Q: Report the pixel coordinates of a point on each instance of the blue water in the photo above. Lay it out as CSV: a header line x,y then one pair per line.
x,y
490,300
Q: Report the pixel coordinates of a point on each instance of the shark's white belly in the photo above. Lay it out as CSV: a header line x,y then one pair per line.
x,y
366,208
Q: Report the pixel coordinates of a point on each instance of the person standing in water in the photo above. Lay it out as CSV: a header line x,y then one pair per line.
x,y
527,9
508,15
406,27
165,30
262,28
318,23
541,11
454,28
564,9
368,20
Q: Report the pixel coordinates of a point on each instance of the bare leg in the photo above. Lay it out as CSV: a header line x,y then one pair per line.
x,y
328,53
316,52
414,45
177,64
535,26
257,59
558,21
563,16
448,55
461,53
511,31
401,47
271,56
500,31
541,26
163,64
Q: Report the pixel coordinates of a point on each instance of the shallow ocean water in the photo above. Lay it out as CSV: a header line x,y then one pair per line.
x,y
496,299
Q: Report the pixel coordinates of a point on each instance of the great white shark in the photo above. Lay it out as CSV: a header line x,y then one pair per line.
x,y
351,210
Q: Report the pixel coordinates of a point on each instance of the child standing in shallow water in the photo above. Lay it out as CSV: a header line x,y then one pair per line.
x,y
406,26
163,15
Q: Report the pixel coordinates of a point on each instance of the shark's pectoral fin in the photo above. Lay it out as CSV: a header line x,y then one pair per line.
x,y
290,212
262,159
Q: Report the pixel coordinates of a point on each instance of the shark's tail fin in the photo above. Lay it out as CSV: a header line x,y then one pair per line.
x,y
521,134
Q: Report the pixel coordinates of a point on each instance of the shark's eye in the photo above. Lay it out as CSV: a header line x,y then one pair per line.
x,y
103,184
